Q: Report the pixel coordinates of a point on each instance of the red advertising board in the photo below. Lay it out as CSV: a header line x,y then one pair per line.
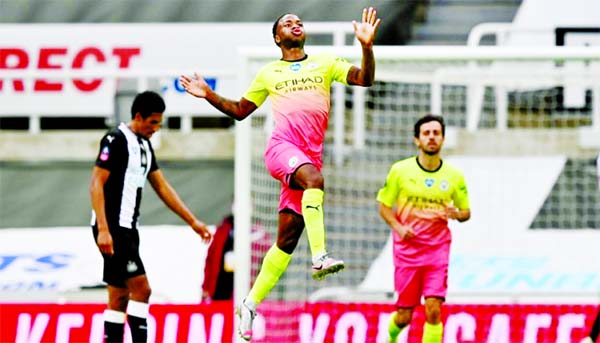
x,y
84,323
302,322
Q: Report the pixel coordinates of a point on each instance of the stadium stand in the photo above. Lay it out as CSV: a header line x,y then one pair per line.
x,y
537,148
448,22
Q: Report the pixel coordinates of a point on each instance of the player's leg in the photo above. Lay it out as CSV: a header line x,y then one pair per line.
x,y
595,331
138,307
302,192
114,315
595,328
274,264
114,274
137,283
407,284
399,320
278,257
309,178
433,329
434,290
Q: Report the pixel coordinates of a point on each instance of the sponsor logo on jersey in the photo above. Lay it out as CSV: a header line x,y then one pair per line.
x,y
429,182
131,266
293,161
295,66
300,83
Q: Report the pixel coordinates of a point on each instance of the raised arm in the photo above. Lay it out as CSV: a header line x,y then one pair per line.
x,y
365,33
198,87
168,195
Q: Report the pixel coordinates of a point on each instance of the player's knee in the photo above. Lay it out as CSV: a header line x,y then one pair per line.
x,y
433,311
308,176
315,180
118,302
403,318
287,244
145,293
141,293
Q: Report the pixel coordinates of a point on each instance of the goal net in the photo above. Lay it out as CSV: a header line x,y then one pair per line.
x,y
523,125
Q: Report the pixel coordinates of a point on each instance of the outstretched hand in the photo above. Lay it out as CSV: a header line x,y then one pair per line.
x,y
366,29
195,85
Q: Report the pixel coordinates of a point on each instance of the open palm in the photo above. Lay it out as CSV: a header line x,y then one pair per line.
x,y
196,85
366,29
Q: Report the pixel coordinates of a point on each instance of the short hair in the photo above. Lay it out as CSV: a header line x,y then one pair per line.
x,y
146,103
426,119
276,23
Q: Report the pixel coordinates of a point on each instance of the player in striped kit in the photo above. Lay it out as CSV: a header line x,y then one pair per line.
x,y
299,86
126,159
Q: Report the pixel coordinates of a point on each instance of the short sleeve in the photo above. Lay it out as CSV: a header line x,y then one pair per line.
x,y
112,152
257,92
461,194
153,164
388,194
340,69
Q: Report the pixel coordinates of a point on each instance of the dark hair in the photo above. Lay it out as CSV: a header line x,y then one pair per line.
x,y
276,23
146,103
426,119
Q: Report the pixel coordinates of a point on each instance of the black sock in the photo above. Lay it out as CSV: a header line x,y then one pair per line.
x,y
113,332
595,328
139,329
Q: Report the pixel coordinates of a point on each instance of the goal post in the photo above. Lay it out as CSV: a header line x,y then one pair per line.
x,y
501,103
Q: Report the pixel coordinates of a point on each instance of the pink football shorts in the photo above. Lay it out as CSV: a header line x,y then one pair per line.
x,y
412,282
282,160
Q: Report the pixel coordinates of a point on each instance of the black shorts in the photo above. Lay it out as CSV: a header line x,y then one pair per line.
x,y
126,261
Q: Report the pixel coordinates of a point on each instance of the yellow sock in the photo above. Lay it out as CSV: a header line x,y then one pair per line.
x,y
393,329
433,333
274,265
312,211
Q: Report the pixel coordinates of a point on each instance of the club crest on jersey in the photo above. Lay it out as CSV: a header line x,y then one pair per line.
x,y
293,161
295,66
104,154
444,185
429,182
131,266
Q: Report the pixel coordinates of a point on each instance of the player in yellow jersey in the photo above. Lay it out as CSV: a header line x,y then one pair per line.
x,y
420,195
299,87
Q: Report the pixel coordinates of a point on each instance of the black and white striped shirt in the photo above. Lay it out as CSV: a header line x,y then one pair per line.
x,y
129,158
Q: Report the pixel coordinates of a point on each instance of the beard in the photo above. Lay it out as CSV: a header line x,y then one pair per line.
x,y
432,152
293,43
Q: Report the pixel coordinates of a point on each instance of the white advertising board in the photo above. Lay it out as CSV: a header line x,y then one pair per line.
x,y
56,260
160,51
